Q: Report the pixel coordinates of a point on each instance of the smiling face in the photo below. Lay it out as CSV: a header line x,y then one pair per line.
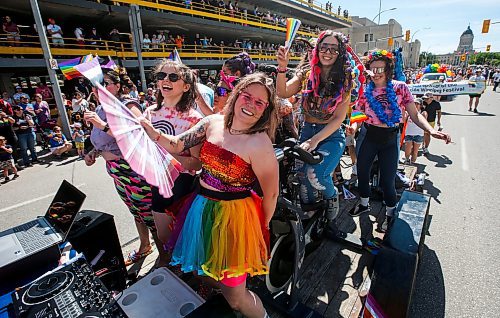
x,y
170,83
328,50
251,103
379,77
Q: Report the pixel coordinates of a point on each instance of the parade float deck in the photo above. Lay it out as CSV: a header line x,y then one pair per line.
x,y
335,278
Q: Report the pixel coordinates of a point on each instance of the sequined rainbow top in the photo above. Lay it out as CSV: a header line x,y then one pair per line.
x,y
224,170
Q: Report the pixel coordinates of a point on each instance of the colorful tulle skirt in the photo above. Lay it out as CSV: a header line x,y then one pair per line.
x,y
221,235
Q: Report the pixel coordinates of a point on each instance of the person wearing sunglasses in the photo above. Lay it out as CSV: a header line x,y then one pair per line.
x,y
174,114
58,143
222,229
384,102
132,188
325,83
232,71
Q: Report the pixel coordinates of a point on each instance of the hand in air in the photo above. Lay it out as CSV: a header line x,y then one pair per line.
x,y
350,130
283,55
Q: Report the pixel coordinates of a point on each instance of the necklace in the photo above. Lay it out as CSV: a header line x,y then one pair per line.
x,y
379,110
233,131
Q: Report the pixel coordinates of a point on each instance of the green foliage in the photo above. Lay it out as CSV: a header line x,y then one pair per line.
x,y
485,58
427,58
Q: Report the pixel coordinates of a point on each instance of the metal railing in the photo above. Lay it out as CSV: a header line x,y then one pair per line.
x,y
30,46
215,13
320,8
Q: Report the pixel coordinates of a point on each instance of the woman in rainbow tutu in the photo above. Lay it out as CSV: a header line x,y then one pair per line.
x,y
222,230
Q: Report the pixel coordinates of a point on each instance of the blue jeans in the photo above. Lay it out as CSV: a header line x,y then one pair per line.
x,y
388,156
27,142
318,177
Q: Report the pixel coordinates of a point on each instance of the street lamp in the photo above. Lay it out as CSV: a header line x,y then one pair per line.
x,y
411,45
380,12
411,39
370,27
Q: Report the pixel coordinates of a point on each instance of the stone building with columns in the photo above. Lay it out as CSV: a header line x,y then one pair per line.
x,y
366,35
465,46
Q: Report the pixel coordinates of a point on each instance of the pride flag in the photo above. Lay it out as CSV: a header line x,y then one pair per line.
x,y
292,26
68,67
357,117
110,64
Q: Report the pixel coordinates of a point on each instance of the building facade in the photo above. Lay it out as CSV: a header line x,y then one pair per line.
x,y
465,46
366,35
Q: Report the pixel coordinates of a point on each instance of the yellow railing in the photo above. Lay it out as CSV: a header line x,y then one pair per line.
x,y
219,14
320,8
30,45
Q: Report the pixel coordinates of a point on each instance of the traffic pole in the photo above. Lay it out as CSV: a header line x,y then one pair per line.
x,y
136,30
51,67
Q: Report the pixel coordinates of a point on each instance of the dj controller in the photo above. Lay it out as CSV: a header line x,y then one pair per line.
x,y
72,291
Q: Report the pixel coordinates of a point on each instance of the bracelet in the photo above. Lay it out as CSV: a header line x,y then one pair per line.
x,y
281,70
157,137
105,128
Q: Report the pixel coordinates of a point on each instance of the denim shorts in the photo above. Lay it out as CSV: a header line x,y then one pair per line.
x,y
414,138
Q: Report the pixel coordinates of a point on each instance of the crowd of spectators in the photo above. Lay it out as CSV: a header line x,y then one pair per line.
x,y
458,73
164,40
26,122
82,35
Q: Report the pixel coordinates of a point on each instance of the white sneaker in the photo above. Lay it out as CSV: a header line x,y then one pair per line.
x,y
425,151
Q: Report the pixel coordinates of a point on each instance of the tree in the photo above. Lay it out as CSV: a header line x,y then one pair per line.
x,y
427,58
485,58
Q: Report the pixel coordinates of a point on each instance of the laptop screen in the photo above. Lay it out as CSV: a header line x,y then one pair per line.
x,y
64,207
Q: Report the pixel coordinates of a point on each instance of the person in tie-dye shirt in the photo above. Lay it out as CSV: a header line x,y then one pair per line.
x,y
384,102
174,113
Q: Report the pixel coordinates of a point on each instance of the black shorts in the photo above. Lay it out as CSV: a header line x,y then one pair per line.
x,y
474,95
184,184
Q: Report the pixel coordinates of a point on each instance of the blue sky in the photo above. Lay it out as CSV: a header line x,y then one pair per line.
x,y
446,18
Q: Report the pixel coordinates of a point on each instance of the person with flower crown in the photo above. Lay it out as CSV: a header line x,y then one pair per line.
x,y
384,101
326,86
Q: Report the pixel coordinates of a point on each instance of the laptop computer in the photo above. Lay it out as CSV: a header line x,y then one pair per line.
x,y
34,236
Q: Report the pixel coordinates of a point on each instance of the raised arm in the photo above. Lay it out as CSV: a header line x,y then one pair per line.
x,y
177,144
285,88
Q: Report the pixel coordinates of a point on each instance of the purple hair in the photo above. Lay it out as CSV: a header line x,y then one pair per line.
x,y
241,62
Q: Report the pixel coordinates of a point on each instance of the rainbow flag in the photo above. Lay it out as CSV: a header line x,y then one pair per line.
x,y
292,26
68,67
174,56
357,117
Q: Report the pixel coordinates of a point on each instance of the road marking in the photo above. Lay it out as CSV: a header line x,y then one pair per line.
x,y
15,206
465,160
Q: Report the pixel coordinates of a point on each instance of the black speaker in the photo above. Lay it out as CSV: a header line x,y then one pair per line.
x,y
93,234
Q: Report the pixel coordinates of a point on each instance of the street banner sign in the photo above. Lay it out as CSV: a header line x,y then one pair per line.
x,y
448,88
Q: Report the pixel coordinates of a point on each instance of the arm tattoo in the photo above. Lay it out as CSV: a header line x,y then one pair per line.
x,y
193,136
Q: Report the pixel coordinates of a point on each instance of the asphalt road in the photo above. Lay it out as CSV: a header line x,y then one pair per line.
x,y
30,195
459,273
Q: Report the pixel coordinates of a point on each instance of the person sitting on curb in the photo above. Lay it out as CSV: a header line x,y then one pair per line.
x,y
59,144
